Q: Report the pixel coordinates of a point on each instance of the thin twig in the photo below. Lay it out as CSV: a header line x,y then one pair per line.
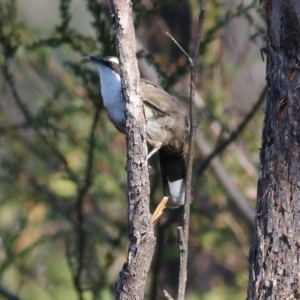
x,y
183,251
179,46
234,134
193,127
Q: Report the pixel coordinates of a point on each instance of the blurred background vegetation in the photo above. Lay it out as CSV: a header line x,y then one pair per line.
x,y
63,180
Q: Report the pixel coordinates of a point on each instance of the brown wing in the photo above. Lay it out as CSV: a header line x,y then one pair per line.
x,y
157,97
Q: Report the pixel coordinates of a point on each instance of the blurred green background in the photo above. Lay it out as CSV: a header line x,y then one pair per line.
x,y
63,180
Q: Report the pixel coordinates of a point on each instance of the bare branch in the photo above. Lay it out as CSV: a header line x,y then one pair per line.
x,y
179,46
132,280
193,128
182,249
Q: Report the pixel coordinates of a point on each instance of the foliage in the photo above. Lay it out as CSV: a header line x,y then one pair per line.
x,y
62,201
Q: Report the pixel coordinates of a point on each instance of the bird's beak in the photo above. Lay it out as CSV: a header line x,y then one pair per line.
x,y
94,59
87,58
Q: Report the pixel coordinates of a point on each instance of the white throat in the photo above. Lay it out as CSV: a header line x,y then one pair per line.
x,y
111,91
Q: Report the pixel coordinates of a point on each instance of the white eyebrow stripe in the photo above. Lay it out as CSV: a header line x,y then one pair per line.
x,y
113,60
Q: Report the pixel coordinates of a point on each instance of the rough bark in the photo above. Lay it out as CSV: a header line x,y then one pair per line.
x,y
132,280
275,252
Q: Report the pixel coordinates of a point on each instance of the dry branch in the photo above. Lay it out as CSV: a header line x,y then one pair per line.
x,y
193,127
132,280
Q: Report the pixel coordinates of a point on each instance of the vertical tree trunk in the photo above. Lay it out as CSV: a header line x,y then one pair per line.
x,y
131,284
275,251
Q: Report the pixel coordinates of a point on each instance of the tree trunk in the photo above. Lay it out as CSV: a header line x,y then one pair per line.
x,y
131,284
275,251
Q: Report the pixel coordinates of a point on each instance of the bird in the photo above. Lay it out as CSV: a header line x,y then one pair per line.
x,y
166,124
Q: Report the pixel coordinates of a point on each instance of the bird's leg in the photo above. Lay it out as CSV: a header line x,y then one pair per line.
x,y
154,150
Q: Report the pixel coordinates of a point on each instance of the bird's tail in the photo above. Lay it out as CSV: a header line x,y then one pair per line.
x,y
173,172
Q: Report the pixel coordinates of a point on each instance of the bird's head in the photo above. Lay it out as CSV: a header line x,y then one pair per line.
x,y
110,62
